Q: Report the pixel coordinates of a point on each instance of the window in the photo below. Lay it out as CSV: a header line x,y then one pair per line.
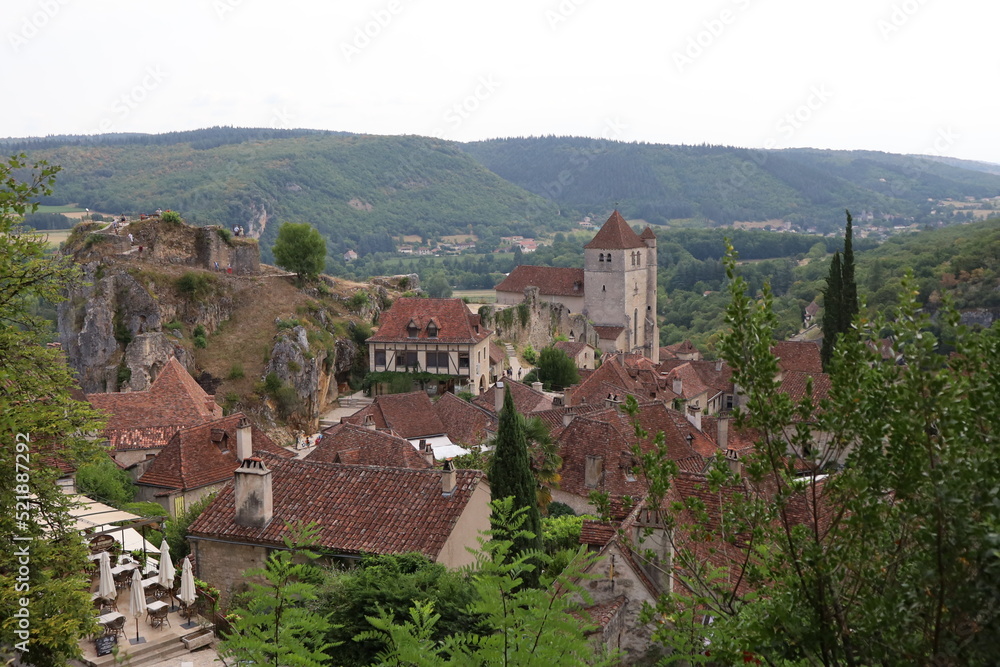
x,y
601,257
609,258
380,357
432,330
411,359
412,330
463,359
437,360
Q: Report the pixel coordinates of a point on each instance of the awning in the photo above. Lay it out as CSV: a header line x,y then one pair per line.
x,y
89,513
442,446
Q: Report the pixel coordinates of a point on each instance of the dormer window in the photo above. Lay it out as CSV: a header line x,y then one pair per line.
x,y
432,330
412,329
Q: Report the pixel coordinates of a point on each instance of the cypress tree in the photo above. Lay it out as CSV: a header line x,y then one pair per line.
x,y
840,298
510,475
833,297
849,290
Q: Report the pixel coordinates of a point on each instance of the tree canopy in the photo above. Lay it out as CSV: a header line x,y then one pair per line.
x,y
556,369
301,249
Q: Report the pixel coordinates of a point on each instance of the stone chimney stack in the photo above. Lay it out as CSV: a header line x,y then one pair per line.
x,y
370,422
694,415
427,452
537,386
568,415
449,479
252,491
244,440
498,397
718,365
678,387
212,406
733,459
593,471
723,437
612,401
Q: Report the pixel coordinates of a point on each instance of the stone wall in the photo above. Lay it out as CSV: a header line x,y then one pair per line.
x,y
222,564
545,320
213,252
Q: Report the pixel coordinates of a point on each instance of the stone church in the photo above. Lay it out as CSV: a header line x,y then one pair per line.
x,y
615,290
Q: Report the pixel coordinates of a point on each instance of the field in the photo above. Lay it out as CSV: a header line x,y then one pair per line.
x,y
56,236
476,295
69,210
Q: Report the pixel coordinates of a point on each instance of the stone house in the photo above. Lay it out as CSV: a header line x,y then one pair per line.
x,y
581,353
358,510
199,460
616,289
438,336
412,417
353,444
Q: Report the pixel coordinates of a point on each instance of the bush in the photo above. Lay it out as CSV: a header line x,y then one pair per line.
x,y
105,481
358,300
557,508
529,354
124,375
195,285
360,333
226,235
200,342
287,401
199,331
272,383
235,372
170,216
173,326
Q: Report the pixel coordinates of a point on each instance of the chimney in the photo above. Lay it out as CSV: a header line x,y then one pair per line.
x,y
427,452
244,441
370,422
498,397
568,415
612,401
722,439
718,365
449,479
733,459
211,405
593,470
694,415
678,387
558,400
537,386
252,491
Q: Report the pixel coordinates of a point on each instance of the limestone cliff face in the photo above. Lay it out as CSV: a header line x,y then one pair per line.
x,y
308,369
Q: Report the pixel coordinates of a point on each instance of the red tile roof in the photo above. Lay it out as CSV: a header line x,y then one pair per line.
x,y
455,324
610,434
358,509
497,354
608,332
570,348
647,233
205,454
550,281
597,533
357,445
467,424
615,235
147,419
801,356
611,378
526,399
407,415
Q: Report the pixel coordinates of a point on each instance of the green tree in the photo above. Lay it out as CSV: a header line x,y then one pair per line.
x,y
438,287
276,626
510,476
106,482
894,559
301,249
39,421
556,369
528,625
840,299
391,583
543,457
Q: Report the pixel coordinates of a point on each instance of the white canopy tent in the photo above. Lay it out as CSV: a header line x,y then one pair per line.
x,y
442,446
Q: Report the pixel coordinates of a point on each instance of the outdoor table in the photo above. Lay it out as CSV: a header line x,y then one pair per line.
x,y
128,567
109,617
149,581
154,606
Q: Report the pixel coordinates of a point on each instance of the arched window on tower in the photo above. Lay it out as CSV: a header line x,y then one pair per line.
x,y
609,258
601,257
635,327
638,258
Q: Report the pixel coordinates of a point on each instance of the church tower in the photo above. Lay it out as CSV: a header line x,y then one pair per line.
x,y
620,287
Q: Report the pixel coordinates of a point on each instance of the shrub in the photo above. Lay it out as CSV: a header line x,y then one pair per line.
x,y
173,326
358,300
294,367
170,216
290,323
272,383
199,331
529,354
195,285
200,342
235,372
287,401
226,235
557,508
124,375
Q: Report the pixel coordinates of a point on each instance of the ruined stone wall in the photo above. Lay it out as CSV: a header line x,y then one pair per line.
x,y
536,322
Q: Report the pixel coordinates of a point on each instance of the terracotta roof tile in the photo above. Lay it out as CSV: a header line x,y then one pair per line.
x,y
615,234
454,322
570,348
603,614
608,332
526,399
801,356
357,445
147,419
550,280
466,423
408,415
597,533
358,509
205,454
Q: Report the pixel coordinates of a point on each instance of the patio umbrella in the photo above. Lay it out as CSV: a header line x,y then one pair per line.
x,y
137,603
106,587
166,576
187,593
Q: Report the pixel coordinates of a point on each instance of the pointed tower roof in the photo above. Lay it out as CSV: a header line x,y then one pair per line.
x,y
647,233
615,235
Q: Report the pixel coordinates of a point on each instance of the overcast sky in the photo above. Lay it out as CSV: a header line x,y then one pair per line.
x,y
904,76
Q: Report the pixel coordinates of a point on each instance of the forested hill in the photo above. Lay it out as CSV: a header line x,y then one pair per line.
x,y
722,184
353,188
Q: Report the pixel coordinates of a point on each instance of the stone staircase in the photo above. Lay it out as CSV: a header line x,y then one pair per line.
x,y
511,352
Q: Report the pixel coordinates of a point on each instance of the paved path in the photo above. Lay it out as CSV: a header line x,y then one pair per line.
x,y
517,369
203,657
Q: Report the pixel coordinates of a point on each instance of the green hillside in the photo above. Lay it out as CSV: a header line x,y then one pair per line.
x,y
348,186
721,184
